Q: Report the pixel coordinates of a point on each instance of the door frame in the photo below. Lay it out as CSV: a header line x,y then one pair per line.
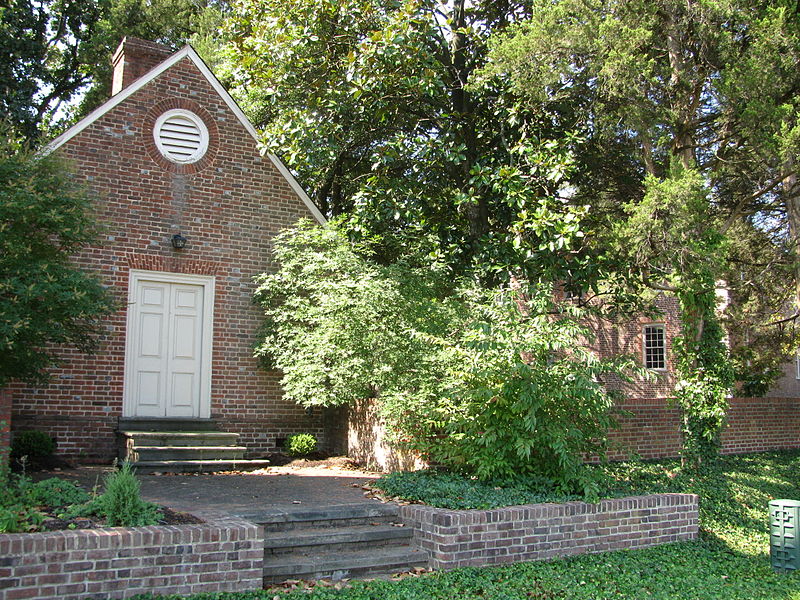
x,y
208,284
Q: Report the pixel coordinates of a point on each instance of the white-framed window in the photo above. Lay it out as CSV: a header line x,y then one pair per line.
x,y
654,346
181,136
797,365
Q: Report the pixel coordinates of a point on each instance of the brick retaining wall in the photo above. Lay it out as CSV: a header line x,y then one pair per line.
x,y
459,538
222,555
652,427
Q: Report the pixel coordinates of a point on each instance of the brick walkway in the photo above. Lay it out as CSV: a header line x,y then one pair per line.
x,y
277,488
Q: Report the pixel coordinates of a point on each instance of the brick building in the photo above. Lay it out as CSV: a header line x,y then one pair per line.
x,y
189,207
171,160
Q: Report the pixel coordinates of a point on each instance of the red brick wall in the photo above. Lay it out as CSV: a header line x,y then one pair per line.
x,y
463,538
228,205
652,429
758,424
788,385
650,425
613,338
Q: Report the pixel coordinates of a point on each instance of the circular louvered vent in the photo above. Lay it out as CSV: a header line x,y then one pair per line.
x,y
181,136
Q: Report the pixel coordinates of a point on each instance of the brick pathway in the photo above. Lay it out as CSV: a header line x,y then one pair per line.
x,y
276,488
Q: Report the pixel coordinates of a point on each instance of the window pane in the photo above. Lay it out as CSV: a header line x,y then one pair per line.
x,y
655,347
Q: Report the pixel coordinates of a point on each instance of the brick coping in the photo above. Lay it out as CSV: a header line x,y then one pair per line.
x,y
570,507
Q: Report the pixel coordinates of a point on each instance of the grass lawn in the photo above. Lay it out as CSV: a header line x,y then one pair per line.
x,y
730,561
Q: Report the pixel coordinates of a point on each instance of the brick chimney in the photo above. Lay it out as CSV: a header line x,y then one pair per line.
x,y
135,57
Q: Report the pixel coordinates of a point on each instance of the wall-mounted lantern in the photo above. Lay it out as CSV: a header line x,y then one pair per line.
x,y
178,241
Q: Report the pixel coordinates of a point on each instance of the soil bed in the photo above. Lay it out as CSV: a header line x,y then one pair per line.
x,y
170,517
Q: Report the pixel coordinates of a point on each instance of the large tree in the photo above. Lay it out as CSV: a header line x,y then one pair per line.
x,y
695,108
368,101
55,54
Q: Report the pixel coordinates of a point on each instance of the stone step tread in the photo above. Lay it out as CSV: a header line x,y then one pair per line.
x,y
321,536
178,434
166,424
187,448
150,463
372,559
328,513
207,465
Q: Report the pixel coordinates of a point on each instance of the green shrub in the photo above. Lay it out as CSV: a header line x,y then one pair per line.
x,y
121,504
47,300
9,519
522,396
19,517
450,490
36,445
21,500
55,493
301,443
496,383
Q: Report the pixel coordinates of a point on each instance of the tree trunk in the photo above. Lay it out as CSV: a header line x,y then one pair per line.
x,y
477,214
792,203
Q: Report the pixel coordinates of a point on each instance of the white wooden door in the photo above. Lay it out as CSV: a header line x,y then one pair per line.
x,y
167,343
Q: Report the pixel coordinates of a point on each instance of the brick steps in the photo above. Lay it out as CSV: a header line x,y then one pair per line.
x,y
181,446
337,542
166,424
352,564
335,538
182,438
202,452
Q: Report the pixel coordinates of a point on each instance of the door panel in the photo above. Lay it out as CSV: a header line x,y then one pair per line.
x,y
168,356
183,398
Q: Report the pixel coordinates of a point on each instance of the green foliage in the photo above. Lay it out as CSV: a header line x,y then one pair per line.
x,y
34,444
54,51
522,395
55,492
301,443
5,458
671,237
367,101
704,85
339,327
729,562
45,300
121,503
21,501
494,383
19,517
450,490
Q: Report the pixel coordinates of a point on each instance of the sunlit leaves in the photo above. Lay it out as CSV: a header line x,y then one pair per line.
x,y
44,298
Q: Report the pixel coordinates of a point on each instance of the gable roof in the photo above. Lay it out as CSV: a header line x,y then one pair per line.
x,y
185,52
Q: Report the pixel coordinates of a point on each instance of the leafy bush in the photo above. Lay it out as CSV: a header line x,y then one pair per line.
x,y
493,383
523,397
55,492
9,520
46,301
19,517
121,503
36,445
339,327
450,490
301,443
